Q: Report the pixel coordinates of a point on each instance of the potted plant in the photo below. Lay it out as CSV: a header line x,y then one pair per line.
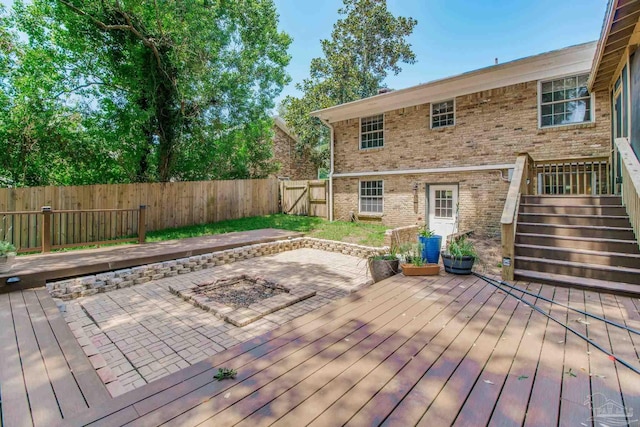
x,y
459,256
414,265
431,245
7,255
383,266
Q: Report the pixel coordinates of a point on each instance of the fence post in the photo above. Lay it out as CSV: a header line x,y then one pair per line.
x,y
46,229
142,224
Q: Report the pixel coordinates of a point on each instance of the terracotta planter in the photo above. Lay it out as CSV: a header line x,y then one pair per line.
x,y
6,262
457,265
422,270
381,269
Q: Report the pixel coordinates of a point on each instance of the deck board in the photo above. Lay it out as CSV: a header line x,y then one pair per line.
x,y
404,351
413,404
576,386
548,377
66,389
13,391
446,406
622,346
42,399
94,391
486,391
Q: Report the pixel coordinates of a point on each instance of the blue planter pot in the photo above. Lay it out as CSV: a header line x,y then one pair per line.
x,y
431,248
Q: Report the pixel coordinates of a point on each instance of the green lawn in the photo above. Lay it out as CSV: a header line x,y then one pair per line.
x,y
352,232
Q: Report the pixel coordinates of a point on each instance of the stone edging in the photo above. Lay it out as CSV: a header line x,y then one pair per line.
x,y
104,282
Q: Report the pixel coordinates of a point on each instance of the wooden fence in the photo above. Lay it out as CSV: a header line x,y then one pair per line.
x,y
168,205
47,229
304,197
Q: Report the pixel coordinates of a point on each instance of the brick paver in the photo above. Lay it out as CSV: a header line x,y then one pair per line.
x,y
145,332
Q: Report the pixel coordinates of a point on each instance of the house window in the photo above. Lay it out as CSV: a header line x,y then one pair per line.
x,y
444,204
442,114
565,101
371,196
372,132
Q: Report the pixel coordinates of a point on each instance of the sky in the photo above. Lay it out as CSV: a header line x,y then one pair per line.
x,y
452,36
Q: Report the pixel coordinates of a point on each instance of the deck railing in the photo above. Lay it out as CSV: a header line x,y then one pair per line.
x,y
585,175
630,173
47,229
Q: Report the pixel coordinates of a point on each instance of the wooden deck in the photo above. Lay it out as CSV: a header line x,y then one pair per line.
x,y
35,270
405,351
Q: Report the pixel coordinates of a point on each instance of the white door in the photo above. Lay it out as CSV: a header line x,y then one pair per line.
x,y
443,206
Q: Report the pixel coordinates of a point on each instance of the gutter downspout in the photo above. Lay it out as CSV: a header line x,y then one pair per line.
x,y
330,126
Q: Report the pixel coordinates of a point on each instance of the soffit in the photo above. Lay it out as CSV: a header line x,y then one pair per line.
x,y
620,24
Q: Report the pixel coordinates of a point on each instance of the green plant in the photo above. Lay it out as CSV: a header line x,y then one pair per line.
x,y
461,247
426,232
411,253
6,248
225,374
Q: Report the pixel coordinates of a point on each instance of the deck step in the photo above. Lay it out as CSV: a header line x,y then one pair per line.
x,y
579,269
594,244
616,210
605,232
561,200
575,219
586,256
578,282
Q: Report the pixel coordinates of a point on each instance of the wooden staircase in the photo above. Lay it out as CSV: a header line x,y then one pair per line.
x,y
579,241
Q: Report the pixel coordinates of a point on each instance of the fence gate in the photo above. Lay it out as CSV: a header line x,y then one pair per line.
x,y
304,197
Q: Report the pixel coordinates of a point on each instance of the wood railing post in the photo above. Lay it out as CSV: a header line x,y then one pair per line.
x,y
46,229
142,224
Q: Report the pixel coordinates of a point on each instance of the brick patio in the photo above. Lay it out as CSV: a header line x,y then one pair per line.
x,y
136,335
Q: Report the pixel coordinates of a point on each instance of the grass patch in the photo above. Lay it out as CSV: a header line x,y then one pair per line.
x,y
351,232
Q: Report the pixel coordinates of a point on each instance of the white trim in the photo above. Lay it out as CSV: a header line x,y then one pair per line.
x,y
592,113
360,211
570,60
422,171
431,113
360,132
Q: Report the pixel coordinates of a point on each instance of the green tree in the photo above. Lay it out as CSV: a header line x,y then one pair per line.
x,y
156,90
366,44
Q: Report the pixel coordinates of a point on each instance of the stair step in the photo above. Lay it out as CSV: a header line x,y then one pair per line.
x,y
594,244
617,210
579,269
622,233
578,282
568,200
586,256
566,219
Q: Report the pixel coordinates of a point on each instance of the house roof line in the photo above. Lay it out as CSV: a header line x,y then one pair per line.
x,y
278,121
573,59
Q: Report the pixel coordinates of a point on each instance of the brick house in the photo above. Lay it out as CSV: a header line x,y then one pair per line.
x,y
293,164
442,152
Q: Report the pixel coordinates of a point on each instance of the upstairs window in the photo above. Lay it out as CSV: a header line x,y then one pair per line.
x,y
442,114
565,101
372,132
371,194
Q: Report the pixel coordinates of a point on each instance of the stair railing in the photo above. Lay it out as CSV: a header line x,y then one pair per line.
x,y
579,175
630,173
521,184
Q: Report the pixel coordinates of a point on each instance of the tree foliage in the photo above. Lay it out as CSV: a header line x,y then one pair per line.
x,y
367,43
139,90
